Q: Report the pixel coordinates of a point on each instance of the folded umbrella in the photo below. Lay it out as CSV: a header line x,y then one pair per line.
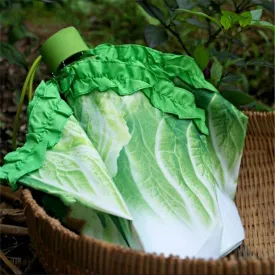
x,y
166,143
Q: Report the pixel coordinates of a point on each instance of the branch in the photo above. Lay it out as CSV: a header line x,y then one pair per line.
x,y
13,230
235,4
14,215
241,6
167,4
209,28
254,5
8,194
30,265
169,29
11,266
225,63
212,37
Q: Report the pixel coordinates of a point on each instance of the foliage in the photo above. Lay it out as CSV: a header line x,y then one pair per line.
x,y
235,37
217,35
13,55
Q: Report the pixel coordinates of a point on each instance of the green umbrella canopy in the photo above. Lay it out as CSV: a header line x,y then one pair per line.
x,y
169,146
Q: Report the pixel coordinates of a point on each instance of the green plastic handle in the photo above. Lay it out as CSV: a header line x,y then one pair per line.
x,y
61,46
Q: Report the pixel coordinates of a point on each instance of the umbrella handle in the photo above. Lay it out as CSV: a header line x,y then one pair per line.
x,y
60,46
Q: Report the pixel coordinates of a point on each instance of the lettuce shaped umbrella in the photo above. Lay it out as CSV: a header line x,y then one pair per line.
x,y
227,125
77,79
170,143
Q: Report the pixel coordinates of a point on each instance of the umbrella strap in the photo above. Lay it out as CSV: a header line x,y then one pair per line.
x,y
28,85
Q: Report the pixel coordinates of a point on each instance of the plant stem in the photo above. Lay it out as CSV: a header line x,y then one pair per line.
x,y
176,34
209,29
167,4
225,63
254,5
212,37
241,6
179,40
235,4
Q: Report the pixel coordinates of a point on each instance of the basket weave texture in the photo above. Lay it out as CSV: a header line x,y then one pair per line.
x,y
63,252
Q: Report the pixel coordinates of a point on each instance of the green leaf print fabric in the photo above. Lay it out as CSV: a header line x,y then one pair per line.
x,y
150,157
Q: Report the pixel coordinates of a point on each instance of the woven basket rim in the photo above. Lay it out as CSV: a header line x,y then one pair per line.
x,y
56,225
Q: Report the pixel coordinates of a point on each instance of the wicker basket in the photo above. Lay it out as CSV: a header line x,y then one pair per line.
x,y
63,252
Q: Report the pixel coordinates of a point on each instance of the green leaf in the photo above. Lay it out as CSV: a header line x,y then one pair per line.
x,y
16,33
269,5
228,19
226,22
256,2
238,42
196,22
229,14
265,37
201,56
245,19
171,4
245,82
10,53
152,10
249,106
227,86
236,61
55,207
216,71
260,63
240,99
179,11
263,24
6,4
216,7
240,62
231,78
186,4
256,14
204,3
19,32
147,17
155,35
223,55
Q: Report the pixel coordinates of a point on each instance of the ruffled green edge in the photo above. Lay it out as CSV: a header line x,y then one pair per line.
x,y
164,64
47,115
89,74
